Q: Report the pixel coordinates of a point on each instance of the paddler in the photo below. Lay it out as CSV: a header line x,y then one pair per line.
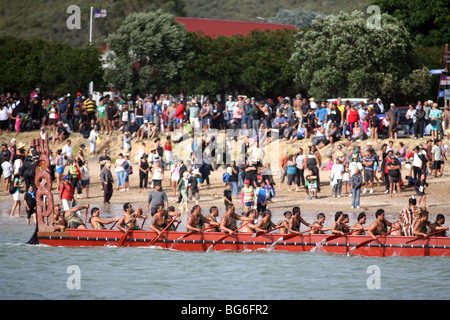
x,y
379,226
339,225
196,221
266,223
420,226
228,221
161,219
59,224
438,225
98,223
284,223
251,227
295,220
317,226
125,222
72,219
211,219
359,226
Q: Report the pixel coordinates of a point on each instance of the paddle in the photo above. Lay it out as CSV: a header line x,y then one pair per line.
x,y
157,237
229,234
290,235
431,234
122,240
370,240
195,231
264,232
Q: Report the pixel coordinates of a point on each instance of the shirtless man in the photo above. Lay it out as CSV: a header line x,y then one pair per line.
x,y
59,224
339,225
72,219
284,223
251,227
296,220
124,223
211,219
266,223
359,226
318,225
437,225
97,222
196,221
228,221
420,226
379,226
161,219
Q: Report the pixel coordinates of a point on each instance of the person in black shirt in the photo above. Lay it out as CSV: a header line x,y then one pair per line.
x,y
227,198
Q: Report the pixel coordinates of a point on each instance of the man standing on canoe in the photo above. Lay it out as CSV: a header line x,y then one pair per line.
x,y
228,221
379,226
296,220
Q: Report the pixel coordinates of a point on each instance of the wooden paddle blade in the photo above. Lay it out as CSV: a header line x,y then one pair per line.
x,y
124,237
221,239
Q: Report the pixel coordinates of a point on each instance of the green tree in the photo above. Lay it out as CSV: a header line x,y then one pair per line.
x,y
427,21
256,64
147,52
299,17
341,56
54,67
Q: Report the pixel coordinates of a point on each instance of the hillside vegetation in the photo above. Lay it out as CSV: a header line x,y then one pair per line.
x,y
47,19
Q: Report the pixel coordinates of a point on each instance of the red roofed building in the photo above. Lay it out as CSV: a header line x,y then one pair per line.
x,y
228,28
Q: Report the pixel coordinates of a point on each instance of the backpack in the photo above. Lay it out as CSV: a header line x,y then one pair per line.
x,y
226,177
12,189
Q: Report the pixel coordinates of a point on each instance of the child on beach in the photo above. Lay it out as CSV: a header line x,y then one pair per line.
x,y
17,125
311,186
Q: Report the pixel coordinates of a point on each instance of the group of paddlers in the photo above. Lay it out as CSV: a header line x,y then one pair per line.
x,y
413,221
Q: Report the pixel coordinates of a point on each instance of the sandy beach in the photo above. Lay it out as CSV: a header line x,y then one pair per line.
x,y
437,192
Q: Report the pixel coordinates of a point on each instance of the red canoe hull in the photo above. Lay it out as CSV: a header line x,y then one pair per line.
x,y
386,246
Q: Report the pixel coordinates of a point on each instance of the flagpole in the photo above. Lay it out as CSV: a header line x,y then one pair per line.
x,y
91,85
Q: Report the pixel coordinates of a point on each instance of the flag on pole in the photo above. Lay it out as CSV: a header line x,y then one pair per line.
x,y
99,13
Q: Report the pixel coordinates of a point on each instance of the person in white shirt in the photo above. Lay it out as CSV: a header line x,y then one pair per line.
x,y
5,114
336,178
93,140
67,150
8,170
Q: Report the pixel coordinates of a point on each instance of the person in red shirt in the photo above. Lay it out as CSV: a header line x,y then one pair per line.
x,y
65,194
352,117
179,114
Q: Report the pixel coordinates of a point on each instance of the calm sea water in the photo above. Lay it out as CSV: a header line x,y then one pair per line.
x,y
43,272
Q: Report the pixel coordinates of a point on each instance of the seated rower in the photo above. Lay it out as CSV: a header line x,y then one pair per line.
x,y
379,226
72,219
420,226
339,225
284,223
161,219
296,220
196,221
266,223
59,224
127,221
359,228
251,227
317,226
98,223
437,225
211,219
228,221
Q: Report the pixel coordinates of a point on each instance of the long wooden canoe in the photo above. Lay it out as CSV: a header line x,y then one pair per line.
x,y
385,246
